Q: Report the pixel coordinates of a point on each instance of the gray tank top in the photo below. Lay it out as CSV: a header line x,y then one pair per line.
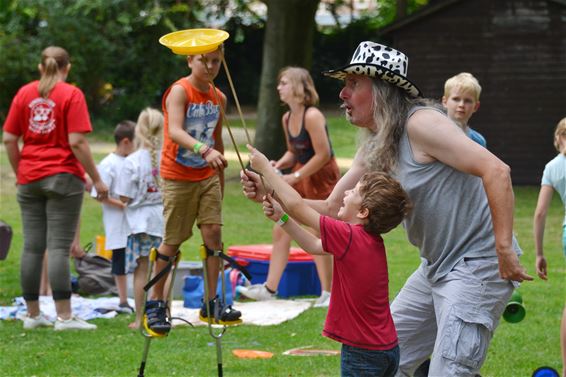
x,y
451,218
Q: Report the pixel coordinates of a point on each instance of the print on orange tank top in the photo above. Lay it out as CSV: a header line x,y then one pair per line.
x,y
202,118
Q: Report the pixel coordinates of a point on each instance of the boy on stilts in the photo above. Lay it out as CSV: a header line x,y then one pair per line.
x,y
192,166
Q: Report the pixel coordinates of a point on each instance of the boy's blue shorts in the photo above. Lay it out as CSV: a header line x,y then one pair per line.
x,y
564,239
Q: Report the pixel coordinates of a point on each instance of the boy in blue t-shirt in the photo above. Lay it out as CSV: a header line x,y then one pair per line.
x,y
461,100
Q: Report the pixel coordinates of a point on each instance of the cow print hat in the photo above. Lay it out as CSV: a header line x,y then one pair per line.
x,y
376,60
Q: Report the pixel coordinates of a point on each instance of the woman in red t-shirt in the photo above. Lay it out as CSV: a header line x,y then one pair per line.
x,y
51,117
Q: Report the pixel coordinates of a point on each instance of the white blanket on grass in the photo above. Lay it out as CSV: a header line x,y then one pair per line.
x,y
84,308
260,313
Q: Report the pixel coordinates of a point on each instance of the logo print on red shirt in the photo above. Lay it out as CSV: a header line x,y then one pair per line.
x,y
42,116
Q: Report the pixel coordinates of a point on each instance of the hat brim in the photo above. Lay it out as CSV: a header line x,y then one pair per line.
x,y
373,70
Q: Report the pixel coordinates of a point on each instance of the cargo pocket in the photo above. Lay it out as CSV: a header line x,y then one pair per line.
x,y
466,338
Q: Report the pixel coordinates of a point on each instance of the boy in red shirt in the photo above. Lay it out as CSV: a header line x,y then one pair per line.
x,y
358,315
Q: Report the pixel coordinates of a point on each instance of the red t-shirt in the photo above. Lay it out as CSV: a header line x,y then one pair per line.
x,y
202,120
359,313
44,125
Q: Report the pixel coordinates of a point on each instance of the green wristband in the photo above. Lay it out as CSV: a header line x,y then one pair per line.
x,y
197,147
283,220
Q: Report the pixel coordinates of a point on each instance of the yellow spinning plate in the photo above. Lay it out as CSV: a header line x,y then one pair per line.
x,y
194,41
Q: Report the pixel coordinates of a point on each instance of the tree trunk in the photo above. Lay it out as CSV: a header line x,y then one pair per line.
x,y
401,9
288,40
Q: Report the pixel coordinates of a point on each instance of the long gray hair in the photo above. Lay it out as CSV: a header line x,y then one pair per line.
x,y
391,106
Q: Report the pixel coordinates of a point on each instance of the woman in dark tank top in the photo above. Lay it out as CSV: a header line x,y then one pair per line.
x,y
313,172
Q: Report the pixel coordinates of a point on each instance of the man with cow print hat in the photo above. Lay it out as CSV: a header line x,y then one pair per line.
x,y
462,220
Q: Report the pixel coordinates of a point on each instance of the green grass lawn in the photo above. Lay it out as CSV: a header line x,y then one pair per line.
x,y
114,350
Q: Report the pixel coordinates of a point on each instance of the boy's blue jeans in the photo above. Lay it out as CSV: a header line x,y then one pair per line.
x,y
359,362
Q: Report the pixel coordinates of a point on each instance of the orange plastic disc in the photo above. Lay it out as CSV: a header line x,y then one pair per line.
x,y
252,354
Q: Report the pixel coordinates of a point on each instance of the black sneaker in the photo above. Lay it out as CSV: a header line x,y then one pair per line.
x,y
221,314
155,318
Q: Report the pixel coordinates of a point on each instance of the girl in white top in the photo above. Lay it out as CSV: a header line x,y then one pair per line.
x,y
553,178
139,186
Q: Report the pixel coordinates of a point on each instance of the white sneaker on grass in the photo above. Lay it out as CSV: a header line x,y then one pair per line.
x,y
257,292
73,323
34,322
323,301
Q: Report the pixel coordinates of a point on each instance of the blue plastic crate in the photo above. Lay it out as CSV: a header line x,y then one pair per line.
x,y
193,290
299,278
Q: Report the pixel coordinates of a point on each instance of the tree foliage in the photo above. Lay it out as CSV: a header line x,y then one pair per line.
x,y
115,56
119,64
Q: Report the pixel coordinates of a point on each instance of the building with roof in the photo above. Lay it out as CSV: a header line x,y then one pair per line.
x,y
516,49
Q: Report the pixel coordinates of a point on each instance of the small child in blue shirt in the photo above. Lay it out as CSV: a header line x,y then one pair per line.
x,y
461,100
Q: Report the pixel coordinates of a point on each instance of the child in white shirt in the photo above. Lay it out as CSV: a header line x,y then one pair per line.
x,y
116,227
139,187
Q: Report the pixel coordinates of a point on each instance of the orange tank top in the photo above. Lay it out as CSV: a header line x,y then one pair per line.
x,y
202,118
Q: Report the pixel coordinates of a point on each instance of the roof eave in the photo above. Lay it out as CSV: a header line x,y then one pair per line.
x,y
423,12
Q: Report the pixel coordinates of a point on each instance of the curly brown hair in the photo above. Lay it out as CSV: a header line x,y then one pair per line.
x,y
386,201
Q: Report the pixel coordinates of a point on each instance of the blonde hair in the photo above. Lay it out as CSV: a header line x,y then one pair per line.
x,y
560,131
148,136
53,60
301,84
466,82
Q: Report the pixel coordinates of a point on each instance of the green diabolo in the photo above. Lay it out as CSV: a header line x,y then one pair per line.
x,y
515,310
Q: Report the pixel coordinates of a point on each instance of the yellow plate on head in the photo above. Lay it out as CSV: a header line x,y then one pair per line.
x,y
194,41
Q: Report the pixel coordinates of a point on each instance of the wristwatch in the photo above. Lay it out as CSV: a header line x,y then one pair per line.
x,y
297,174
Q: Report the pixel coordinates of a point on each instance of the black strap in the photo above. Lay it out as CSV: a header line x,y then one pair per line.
x,y
230,260
170,261
87,247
